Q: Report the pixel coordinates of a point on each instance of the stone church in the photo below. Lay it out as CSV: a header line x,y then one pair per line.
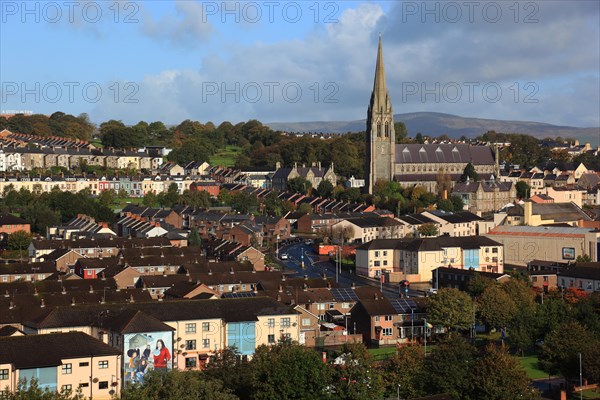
x,y
428,165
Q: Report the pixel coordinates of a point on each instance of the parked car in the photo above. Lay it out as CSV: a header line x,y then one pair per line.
x,y
284,256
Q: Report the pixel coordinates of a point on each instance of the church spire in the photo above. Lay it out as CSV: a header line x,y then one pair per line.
x,y
379,86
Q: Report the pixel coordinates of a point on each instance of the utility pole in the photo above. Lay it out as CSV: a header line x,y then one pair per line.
x,y
425,334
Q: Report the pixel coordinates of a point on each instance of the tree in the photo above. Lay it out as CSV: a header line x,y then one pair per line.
x,y
150,199
496,308
523,190
40,216
325,189
496,375
451,308
19,240
194,239
177,385
428,230
356,378
469,172
304,208
561,349
445,205
299,185
288,371
477,284
449,367
32,391
404,370
400,131
583,259
457,202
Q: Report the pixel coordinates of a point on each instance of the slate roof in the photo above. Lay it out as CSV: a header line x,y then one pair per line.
x,y
231,310
559,212
134,321
24,351
9,219
444,153
486,186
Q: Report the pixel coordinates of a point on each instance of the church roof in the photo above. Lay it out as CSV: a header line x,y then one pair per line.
x,y
444,153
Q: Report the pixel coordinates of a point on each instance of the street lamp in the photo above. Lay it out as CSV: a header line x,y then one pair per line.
x,y
277,247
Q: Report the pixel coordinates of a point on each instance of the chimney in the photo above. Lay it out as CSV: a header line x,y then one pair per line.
x,y
73,301
353,285
280,288
305,287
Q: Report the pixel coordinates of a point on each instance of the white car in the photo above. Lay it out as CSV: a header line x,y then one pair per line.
x,y
283,256
432,291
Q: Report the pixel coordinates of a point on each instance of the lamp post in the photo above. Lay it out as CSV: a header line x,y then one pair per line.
x,y
425,334
277,247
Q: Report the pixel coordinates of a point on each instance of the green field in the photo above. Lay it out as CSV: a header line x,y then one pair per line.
x,y
225,157
530,364
382,353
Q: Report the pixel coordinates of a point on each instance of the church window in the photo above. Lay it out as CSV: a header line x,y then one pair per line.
x,y
387,129
379,129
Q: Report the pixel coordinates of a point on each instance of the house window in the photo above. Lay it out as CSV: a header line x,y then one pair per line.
x,y
190,344
205,327
205,343
3,374
190,328
103,385
377,318
495,250
305,321
271,322
387,331
331,306
376,254
190,362
320,306
388,317
377,263
84,385
102,364
385,253
271,339
84,364
285,322
384,262
345,305
67,369
66,388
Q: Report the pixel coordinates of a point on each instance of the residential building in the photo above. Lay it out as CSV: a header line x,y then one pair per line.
x,y
485,196
61,361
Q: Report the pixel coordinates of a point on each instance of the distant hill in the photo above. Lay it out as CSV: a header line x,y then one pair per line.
x,y
436,124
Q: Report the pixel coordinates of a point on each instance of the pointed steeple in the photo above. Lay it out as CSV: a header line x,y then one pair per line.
x,y
379,86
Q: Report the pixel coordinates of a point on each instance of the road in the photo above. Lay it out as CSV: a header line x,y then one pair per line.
x,y
299,253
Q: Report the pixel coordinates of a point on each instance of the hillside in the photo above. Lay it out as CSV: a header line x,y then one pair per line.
x,y
436,124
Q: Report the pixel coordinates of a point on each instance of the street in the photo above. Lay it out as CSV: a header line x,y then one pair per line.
x,y
300,253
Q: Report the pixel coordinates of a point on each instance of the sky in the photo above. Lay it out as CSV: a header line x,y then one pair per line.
x,y
290,61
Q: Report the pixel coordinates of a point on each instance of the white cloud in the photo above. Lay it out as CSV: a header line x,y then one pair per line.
x,y
562,47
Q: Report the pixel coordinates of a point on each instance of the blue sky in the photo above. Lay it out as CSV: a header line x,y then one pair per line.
x,y
300,61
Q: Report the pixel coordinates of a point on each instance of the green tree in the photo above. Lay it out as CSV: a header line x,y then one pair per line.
x,y
427,230
469,172
356,378
32,391
304,208
400,131
445,205
523,190
40,216
19,240
457,202
451,308
496,308
478,284
228,366
288,371
194,239
299,185
561,349
177,385
325,188
583,259
496,375
405,370
449,368
150,199
169,198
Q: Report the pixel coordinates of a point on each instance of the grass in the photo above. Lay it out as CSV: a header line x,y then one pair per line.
x,y
382,353
120,203
587,394
225,157
531,365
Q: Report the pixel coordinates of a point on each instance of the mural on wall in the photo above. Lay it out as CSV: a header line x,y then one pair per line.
x,y
146,351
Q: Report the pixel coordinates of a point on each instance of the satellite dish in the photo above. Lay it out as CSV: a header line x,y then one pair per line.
x,y
111,392
95,380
